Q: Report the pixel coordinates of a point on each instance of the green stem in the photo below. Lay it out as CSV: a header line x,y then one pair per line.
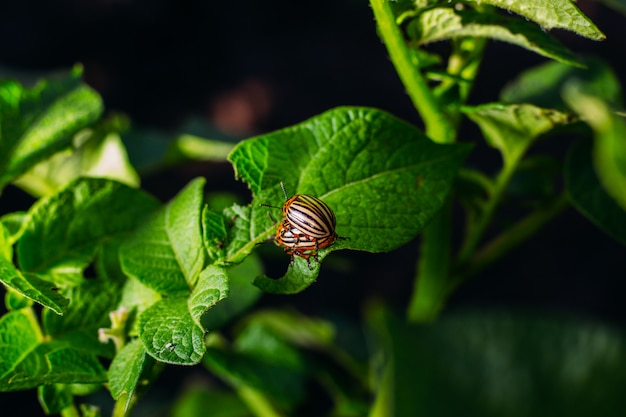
x,y
511,238
430,286
477,230
438,127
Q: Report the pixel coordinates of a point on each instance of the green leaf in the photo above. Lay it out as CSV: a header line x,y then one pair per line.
x,y
15,301
513,128
51,363
588,195
381,176
64,230
505,365
542,85
91,302
439,24
14,226
298,277
36,123
169,333
609,150
98,152
6,249
553,14
125,371
32,287
241,296
136,298
18,335
27,362
166,252
54,398
212,287
213,234
239,240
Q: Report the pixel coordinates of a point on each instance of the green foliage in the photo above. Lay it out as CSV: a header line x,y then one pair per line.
x,y
37,123
353,159
105,285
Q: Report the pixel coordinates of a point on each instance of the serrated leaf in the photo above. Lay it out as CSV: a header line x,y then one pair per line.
x,y
212,287
609,149
166,252
18,334
51,363
26,362
553,14
97,152
36,123
439,24
588,195
513,128
126,369
242,294
89,310
381,176
214,234
169,333
32,287
183,216
64,230
240,242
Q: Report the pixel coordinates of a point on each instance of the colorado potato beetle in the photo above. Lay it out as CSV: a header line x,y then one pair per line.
x,y
308,225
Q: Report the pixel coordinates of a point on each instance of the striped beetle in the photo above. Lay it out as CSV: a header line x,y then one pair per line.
x,y
308,225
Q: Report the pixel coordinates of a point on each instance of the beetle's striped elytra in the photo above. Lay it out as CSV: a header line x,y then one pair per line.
x,y
310,215
308,225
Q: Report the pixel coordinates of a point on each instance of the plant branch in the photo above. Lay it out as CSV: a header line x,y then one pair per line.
x,y
477,230
437,126
511,238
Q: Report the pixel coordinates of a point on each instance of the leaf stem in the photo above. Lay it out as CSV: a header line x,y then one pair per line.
x,y
437,126
505,242
123,405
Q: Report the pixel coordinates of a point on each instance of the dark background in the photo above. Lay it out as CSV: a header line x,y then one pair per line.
x,y
248,67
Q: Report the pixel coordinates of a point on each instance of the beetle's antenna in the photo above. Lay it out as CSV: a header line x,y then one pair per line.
x,y
284,192
267,205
